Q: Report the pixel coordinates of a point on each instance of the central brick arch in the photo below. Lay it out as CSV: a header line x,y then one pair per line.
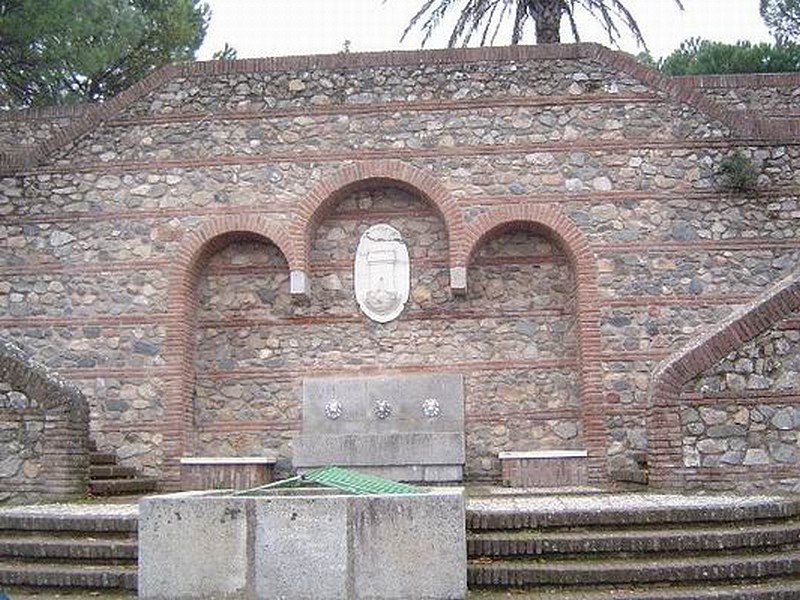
x,y
190,259
581,256
316,204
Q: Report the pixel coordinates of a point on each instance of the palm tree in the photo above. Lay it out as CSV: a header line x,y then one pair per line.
x,y
484,17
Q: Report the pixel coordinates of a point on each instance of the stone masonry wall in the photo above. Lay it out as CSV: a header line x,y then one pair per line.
x,y
254,345
44,432
744,412
20,128
91,238
775,94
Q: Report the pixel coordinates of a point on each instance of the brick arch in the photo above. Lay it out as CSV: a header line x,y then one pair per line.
x,y
314,207
197,242
189,261
581,256
558,225
663,421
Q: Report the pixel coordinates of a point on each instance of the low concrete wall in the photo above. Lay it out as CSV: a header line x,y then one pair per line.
x,y
214,545
44,432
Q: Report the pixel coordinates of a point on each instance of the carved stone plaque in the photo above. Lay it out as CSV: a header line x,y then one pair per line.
x,y
382,273
403,426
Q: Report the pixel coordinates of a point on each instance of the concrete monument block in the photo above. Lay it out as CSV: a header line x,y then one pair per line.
x,y
394,544
404,427
301,547
192,545
303,544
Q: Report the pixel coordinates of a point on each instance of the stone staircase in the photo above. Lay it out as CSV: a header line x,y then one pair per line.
x,y
696,550
83,546
108,478
593,547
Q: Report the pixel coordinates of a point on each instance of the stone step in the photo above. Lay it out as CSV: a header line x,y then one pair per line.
x,y
539,513
111,472
775,589
695,540
113,487
55,521
102,458
40,546
633,570
67,575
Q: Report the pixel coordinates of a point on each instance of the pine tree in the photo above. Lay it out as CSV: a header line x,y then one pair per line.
x,y
64,51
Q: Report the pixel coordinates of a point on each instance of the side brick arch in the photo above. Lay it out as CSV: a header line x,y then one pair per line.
x,y
189,262
312,210
581,255
663,420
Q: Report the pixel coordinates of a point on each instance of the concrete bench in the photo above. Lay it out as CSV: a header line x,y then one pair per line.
x,y
544,468
222,472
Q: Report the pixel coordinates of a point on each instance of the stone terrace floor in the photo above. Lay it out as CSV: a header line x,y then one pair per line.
x,y
483,499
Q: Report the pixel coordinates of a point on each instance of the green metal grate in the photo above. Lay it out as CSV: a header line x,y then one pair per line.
x,y
344,480
358,483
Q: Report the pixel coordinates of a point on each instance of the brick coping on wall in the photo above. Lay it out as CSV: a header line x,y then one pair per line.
x,y
740,80
36,113
744,124
703,352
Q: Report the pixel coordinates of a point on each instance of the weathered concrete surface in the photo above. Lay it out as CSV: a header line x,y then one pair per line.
x,y
205,546
301,547
192,545
387,449
408,549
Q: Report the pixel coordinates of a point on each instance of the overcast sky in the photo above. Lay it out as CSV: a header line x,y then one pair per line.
x,y
284,27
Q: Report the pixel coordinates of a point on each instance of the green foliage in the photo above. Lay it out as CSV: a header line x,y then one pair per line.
x,y
647,60
702,57
783,19
482,19
228,52
64,51
737,173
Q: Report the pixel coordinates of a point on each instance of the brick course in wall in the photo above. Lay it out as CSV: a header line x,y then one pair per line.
x,y
184,252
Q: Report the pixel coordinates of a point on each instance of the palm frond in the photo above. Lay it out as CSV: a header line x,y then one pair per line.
x,y
477,18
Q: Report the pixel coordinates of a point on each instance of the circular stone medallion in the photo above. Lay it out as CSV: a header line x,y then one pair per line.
x,y
333,410
431,408
383,409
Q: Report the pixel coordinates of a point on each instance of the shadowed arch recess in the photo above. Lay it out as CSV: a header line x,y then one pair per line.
x,y
190,260
554,224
